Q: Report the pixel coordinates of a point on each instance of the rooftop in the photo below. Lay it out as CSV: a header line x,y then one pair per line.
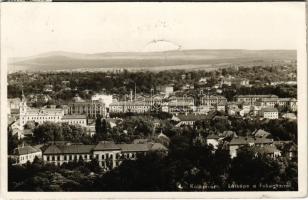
x,y
106,145
74,117
25,150
257,96
269,110
102,146
191,117
69,149
246,140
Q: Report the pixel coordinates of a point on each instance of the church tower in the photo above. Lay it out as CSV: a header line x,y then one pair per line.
x,y
23,104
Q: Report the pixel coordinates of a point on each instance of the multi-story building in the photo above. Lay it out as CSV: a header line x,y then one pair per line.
x,y
107,99
39,115
130,106
183,104
188,119
269,113
90,108
251,99
75,119
13,105
290,103
213,100
24,154
108,154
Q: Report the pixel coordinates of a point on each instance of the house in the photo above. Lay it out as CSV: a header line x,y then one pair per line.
x,y
90,130
213,140
261,133
189,119
246,107
221,106
204,109
168,89
269,113
21,155
267,150
13,105
234,110
290,116
163,139
240,141
203,80
112,122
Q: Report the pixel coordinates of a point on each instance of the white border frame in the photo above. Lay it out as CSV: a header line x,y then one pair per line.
x,y
302,144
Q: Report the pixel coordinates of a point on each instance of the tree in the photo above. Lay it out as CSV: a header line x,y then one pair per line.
x,y
13,141
46,132
247,168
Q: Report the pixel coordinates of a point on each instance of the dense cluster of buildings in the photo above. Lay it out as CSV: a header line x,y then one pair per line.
x,y
79,110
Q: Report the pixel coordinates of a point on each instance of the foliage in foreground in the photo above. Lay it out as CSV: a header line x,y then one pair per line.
x,y
188,167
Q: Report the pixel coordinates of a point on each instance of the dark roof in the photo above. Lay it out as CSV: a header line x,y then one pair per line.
x,y
25,150
191,117
134,147
102,146
269,110
267,149
105,145
245,140
74,117
69,149
260,133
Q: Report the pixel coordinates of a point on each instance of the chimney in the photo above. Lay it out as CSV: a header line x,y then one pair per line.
x,y
131,95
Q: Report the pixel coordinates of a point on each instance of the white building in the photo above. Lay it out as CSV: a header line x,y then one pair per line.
x,y
39,115
107,99
75,119
269,113
22,155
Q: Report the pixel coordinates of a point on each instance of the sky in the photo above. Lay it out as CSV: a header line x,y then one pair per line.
x,y
33,28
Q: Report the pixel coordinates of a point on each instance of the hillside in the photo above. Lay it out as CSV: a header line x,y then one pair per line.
x,y
177,59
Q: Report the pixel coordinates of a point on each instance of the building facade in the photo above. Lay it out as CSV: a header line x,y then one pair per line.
x,y
75,119
24,154
269,113
251,99
213,100
108,154
90,108
39,115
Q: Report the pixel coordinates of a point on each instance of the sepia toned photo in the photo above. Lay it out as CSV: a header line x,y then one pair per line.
x,y
158,97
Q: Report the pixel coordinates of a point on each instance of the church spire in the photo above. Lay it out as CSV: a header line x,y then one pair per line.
x,y
23,98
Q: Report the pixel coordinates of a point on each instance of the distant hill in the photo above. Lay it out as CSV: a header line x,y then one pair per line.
x,y
176,59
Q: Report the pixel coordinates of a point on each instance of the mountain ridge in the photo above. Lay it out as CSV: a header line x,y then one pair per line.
x,y
64,60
